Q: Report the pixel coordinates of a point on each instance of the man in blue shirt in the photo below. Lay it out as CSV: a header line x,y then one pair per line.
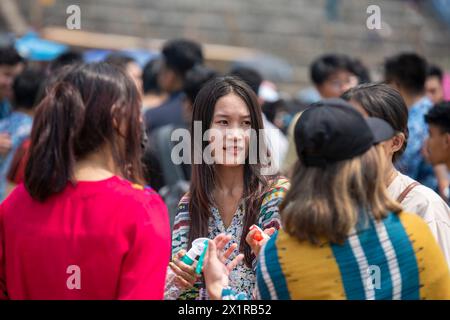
x,y
407,72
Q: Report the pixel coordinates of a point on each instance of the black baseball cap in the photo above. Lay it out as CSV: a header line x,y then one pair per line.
x,y
332,130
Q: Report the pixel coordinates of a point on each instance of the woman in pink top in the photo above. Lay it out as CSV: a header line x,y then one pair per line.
x,y
78,228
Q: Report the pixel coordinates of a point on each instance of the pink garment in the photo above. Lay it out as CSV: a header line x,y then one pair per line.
x,y
106,239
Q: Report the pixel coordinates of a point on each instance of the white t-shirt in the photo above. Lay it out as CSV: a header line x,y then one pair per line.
x,y
427,204
276,142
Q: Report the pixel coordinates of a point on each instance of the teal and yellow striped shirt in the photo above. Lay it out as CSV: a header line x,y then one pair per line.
x,y
396,258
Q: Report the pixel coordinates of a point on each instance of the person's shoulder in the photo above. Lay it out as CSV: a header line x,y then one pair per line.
x,y
185,198
414,224
19,192
419,191
136,192
134,199
279,182
431,197
423,241
428,201
18,198
278,186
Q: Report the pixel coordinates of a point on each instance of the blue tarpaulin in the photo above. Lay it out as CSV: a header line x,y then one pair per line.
x,y
32,47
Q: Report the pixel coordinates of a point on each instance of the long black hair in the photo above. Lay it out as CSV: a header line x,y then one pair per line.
x,y
204,175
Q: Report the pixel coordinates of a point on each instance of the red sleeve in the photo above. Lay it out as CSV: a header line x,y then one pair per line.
x,y
144,268
3,292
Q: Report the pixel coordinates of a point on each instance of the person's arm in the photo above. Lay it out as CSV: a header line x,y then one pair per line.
x,y
216,272
144,266
180,277
269,218
434,271
441,232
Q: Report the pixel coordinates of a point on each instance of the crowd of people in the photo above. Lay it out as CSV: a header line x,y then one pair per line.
x,y
94,206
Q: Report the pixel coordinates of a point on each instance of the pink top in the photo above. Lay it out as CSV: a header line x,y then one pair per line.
x,y
105,239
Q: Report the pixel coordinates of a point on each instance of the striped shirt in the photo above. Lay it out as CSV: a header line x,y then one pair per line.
x,y
393,259
242,278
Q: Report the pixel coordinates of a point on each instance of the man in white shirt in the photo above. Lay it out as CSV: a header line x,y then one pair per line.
x,y
384,102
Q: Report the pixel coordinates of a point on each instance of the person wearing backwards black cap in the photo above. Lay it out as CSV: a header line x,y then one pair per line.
x,y
342,236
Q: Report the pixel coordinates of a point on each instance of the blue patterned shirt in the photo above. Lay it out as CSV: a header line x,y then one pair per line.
x,y
5,109
18,126
412,163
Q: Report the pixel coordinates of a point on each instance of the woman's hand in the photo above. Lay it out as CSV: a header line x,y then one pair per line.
x,y
215,271
185,275
256,245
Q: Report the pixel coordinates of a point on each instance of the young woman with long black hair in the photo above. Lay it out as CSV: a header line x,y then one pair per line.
x,y
230,194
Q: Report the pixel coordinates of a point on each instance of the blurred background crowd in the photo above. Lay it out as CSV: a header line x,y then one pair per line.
x,y
291,53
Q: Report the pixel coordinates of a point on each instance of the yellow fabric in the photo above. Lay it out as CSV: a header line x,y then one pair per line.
x,y
434,275
311,272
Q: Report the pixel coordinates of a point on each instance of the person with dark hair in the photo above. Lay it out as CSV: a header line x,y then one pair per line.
x,y
406,72
433,84
438,142
178,57
333,74
278,113
11,64
153,96
18,124
232,193
343,237
252,77
196,78
159,169
16,173
67,58
384,102
275,139
360,70
81,221
128,65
